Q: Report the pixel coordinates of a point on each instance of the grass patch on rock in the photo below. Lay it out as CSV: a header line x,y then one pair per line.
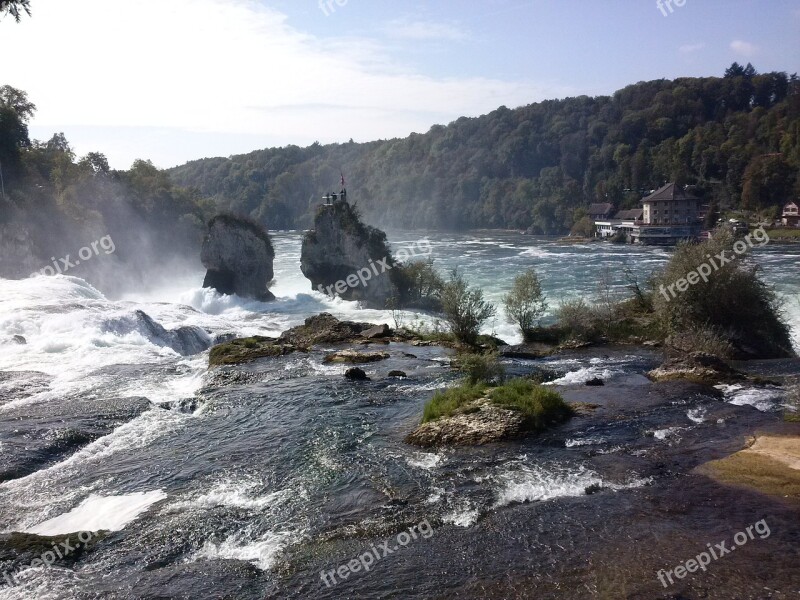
x,y
541,407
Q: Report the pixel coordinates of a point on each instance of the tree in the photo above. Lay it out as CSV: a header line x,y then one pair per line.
x,y
465,310
15,112
526,303
15,8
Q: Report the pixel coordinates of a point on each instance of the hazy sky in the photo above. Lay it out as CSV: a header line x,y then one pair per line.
x,y
175,80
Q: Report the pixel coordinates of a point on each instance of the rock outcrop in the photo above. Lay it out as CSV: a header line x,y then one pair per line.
x,y
238,254
344,257
355,357
479,422
698,368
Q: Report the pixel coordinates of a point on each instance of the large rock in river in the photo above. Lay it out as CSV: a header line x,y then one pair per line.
x,y
238,254
344,257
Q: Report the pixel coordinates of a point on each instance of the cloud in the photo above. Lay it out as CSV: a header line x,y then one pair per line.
x,y
227,68
746,49
691,48
425,31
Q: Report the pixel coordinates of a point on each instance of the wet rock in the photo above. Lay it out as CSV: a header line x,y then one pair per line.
x,y
353,356
477,423
378,331
596,382
18,339
186,341
19,550
343,256
238,254
356,374
529,351
397,374
324,328
697,367
244,350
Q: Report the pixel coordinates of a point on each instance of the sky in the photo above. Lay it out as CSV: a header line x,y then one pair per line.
x,y
178,80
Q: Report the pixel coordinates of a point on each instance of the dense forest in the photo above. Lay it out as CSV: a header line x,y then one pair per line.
x,y
737,138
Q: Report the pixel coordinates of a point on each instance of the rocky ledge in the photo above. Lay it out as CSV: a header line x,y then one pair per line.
x,y
696,367
319,329
478,422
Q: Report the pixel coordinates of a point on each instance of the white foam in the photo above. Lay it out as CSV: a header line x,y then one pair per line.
x,y
763,399
425,460
584,374
697,415
233,495
532,483
262,553
100,513
669,432
462,517
589,441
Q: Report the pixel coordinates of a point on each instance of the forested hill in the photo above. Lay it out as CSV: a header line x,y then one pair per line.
x,y
736,137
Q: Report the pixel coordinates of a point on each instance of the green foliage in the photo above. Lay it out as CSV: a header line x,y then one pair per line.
x,y
465,310
534,166
576,320
480,368
735,304
526,303
541,406
583,228
446,403
419,284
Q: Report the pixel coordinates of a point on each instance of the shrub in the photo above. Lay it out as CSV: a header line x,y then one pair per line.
x,y
419,285
465,310
576,319
525,304
477,368
734,302
541,406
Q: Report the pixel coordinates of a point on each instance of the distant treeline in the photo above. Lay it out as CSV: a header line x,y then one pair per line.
x,y
737,138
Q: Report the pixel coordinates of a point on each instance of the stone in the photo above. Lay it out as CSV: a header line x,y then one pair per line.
x,y
18,339
397,374
355,357
378,331
697,367
596,382
356,374
479,422
238,255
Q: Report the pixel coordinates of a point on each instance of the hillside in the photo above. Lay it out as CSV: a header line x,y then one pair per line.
x,y
737,138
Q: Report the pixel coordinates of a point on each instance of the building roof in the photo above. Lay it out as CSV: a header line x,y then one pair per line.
x,y
669,193
634,214
788,204
603,209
